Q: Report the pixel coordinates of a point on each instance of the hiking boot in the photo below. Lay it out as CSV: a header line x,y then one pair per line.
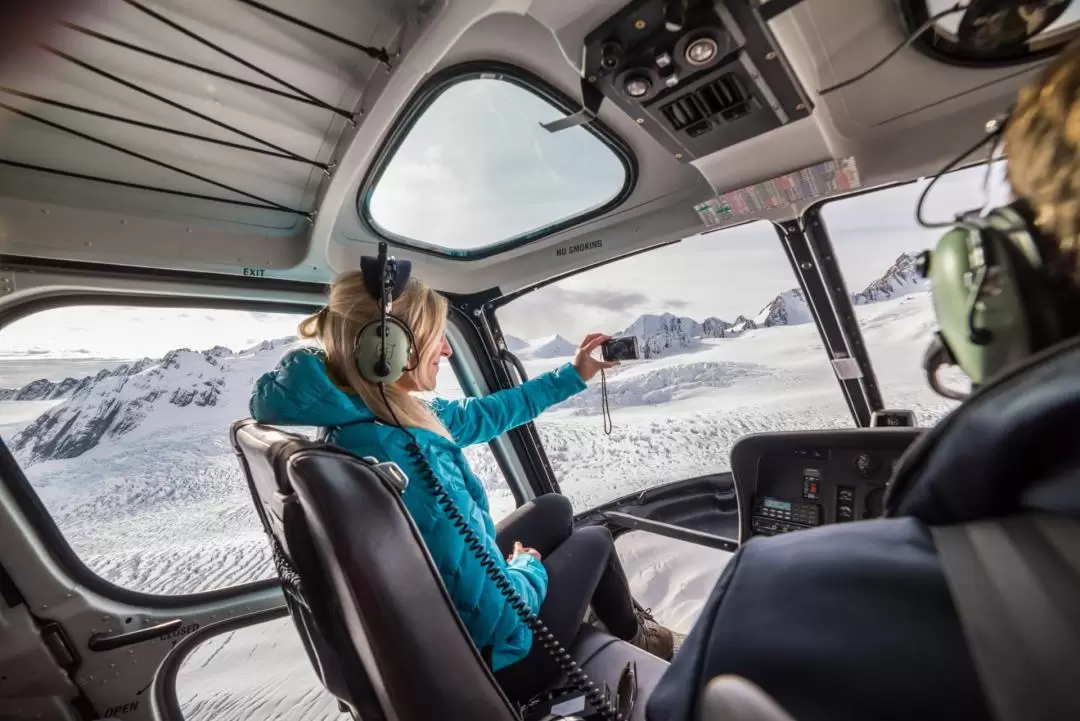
x,y
651,636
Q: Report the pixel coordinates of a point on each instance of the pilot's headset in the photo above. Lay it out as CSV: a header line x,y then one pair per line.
x,y
384,347
995,299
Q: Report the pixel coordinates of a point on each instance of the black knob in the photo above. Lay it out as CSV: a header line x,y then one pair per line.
x,y
610,53
675,15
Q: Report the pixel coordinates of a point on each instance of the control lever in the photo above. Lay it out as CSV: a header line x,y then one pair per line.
x,y
626,691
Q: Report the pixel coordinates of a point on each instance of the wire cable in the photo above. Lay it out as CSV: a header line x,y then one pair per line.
x,y
379,54
958,7
202,69
146,158
991,138
232,56
151,126
540,631
171,103
139,186
605,404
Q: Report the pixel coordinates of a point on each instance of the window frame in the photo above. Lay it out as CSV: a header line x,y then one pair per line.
x,y
44,527
813,219
812,262
802,243
419,103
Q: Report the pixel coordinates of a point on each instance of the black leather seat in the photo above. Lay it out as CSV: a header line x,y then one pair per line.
x,y
376,620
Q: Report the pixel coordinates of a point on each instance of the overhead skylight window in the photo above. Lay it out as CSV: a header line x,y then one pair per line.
x,y
473,170
994,34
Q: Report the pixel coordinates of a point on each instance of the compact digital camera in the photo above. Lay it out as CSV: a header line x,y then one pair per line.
x,y
620,349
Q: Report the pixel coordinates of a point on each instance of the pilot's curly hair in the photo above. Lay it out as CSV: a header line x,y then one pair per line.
x,y
1042,143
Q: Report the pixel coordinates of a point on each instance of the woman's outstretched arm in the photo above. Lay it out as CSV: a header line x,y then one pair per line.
x,y
478,420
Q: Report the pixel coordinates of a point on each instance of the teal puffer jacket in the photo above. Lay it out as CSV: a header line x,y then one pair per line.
x,y
299,392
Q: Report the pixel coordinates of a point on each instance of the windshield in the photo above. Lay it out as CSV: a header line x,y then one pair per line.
x,y
729,348
876,240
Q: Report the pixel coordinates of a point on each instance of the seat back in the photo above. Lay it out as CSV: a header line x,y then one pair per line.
x,y
377,622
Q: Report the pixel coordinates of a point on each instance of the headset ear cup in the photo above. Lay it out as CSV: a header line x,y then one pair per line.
x,y
1033,290
981,319
368,353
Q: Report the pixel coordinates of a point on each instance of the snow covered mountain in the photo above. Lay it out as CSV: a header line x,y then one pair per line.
x,y
788,308
717,328
515,344
44,390
900,279
658,334
554,346
742,324
120,400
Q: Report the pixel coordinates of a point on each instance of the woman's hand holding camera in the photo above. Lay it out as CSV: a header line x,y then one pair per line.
x,y
584,363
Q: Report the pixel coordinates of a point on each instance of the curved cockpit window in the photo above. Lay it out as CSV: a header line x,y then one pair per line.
x,y
474,170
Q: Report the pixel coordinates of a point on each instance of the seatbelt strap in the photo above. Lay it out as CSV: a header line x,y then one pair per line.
x,y
1016,585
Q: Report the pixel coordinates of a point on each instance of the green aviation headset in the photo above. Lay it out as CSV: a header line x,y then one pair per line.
x,y
995,298
384,347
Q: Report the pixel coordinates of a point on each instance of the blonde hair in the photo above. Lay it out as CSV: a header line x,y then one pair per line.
x,y
1042,142
350,308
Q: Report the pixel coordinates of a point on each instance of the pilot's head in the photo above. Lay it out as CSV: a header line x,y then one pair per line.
x,y
1042,143
1005,285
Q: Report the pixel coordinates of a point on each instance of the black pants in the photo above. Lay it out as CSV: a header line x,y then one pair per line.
x,y
582,569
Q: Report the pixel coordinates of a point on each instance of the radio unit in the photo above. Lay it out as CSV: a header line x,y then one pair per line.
x,y
770,516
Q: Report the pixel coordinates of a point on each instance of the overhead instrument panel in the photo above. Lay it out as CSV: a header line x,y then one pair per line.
x,y
792,481
697,75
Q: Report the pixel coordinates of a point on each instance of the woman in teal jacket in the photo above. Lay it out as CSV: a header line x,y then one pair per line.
x,y
323,388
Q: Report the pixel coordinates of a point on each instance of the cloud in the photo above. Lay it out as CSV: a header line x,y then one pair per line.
x,y
615,300
477,168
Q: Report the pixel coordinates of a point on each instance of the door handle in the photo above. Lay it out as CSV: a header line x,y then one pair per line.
x,y
510,359
107,642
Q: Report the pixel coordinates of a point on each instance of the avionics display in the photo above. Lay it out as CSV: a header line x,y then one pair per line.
x,y
789,481
773,515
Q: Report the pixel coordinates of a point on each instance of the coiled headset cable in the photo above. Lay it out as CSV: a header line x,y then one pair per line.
x,y
558,653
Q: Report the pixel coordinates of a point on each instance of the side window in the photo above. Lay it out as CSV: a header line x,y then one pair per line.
x,y
481,459
258,672
729,348
119,418
876,240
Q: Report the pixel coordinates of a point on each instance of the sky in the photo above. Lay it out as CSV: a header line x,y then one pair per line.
x,y
477,168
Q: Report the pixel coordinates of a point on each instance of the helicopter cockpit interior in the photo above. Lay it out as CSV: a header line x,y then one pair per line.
x,y
731,182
